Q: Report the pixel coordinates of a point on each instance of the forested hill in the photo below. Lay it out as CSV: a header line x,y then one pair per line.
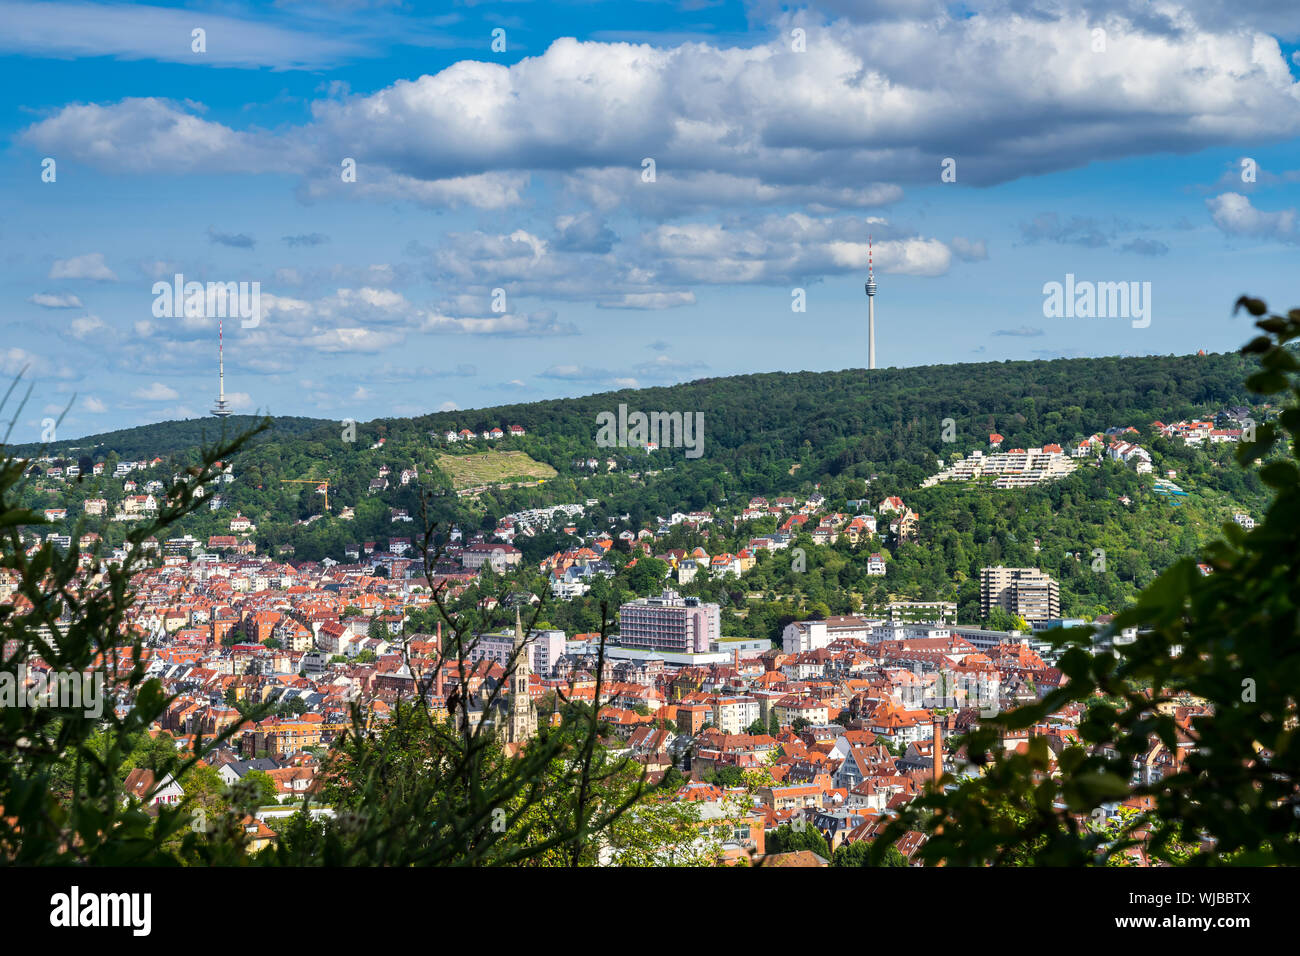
x,y
840,418
844,418
164,438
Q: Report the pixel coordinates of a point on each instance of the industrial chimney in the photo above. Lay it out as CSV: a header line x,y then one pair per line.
x,y
937,759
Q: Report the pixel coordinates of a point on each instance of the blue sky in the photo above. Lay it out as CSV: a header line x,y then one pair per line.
x,y
782,137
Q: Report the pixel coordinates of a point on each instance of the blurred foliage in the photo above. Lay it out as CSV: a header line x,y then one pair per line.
x,y
415,789
1230,639
62,768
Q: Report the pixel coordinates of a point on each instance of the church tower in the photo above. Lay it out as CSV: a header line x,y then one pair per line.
x,y
523,717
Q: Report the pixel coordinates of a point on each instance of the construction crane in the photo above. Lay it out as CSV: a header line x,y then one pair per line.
x,y
321,486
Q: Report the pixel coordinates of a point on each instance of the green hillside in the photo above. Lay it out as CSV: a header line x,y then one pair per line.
x,y
162,438
854,434
842,418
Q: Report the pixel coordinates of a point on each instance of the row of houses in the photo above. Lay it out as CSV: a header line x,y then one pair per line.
x,y
1199,432
488,434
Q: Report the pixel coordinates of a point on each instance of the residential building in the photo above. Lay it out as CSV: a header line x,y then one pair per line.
x,y
1026,592
499,556
733,715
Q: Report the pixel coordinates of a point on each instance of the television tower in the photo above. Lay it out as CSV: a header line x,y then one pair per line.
x,y
222,408
871,310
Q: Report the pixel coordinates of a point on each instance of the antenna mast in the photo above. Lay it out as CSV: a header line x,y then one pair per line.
x,y
222,408
871,308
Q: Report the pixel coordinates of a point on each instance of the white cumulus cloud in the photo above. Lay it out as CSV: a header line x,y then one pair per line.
x,y
157,392
89,266
50,300
1234,214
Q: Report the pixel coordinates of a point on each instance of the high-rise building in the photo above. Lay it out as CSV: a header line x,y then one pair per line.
x,y
670,623
1025,592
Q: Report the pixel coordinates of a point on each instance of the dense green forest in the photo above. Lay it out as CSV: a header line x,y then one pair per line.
x,y
150,441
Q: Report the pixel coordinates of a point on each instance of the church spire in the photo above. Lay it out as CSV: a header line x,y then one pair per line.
x,y
523,716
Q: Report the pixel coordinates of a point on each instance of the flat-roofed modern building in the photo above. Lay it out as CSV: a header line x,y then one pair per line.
x,y
669,623
544,648
1026,592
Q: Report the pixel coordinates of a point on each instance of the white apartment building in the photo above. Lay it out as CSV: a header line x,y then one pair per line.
x,y
801,636
544,649
1016,468
732,715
